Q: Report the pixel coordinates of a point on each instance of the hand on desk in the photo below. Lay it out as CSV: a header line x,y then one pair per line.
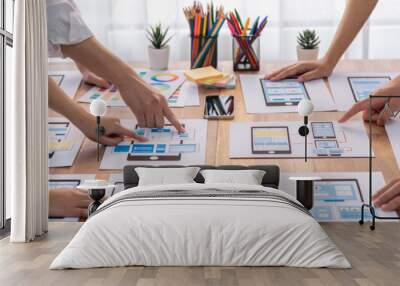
x,y
115,132
91,78
144,101
388,198
147,104
380,114
305,71
68,203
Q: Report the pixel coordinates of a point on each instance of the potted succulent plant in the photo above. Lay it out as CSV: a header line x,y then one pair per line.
x,y
308,45
158,51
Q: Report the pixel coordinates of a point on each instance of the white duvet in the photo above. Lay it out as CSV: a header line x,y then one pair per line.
x,y
200,231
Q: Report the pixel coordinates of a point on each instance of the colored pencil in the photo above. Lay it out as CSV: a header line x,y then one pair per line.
x,y
245,37
205,24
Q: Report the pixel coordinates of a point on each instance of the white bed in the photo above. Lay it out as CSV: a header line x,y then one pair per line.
x,y
201,225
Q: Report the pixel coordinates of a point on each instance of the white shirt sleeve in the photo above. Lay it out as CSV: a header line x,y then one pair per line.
x,y
65,26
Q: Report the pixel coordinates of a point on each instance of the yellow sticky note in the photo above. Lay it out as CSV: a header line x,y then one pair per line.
x,y
202,74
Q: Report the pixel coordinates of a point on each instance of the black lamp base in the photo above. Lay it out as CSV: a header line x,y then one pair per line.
x,y
305,193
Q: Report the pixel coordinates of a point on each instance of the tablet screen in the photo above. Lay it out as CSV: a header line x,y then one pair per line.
x,y
63,184
326,144
270,140
337,190
284,92
362,87
323,130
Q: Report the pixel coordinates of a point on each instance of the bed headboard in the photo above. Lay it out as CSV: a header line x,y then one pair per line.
x,y
271,178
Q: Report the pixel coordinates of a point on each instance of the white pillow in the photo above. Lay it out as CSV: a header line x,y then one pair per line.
x,y
247,177
166,176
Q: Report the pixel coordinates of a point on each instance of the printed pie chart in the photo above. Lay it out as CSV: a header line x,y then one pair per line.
x,y
164,77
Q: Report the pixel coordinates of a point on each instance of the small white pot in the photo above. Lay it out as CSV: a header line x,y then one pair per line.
x,y
307,54
158,58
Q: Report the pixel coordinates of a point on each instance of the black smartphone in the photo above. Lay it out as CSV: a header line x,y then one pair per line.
x,y
219,107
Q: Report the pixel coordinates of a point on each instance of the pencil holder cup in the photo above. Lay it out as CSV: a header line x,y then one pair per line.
x,y
246,53
204,51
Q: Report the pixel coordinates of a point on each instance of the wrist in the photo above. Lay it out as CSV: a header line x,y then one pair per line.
x,y
329,62
130,81
81,118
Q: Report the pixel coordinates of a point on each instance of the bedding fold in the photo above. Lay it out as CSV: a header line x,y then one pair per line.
x,y
201,225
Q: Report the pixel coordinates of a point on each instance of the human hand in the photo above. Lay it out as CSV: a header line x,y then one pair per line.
x,y
380,114
91,78
305,71
115,133
68,203
388,198
148,105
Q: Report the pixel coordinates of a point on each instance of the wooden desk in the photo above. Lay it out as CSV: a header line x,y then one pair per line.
x,y
218,131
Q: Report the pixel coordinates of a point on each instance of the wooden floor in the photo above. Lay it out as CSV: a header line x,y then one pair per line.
x,y
375,257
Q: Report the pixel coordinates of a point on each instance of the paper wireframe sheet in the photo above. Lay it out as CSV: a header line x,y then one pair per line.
x,y
67,181
255,100
349,87
339,196
69,81
393,132
349,140
190,150
190,92
61,130
171,84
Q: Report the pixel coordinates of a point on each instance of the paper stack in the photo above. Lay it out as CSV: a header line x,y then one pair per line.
x,y
209,77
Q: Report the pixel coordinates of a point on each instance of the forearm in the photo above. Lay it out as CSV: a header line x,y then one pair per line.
x,y
95,57
354,17
60,102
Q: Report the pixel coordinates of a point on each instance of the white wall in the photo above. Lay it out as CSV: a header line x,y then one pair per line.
x,y
120,25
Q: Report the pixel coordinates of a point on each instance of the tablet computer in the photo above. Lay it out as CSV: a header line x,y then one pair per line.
x,y
323,130
338,191
270,140
163,145
287,92
363,87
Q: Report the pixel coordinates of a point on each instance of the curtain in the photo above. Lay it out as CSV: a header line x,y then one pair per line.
x,y
26,118
121,24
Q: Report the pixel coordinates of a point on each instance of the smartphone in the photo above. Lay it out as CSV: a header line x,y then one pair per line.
x,y
219,107
323,130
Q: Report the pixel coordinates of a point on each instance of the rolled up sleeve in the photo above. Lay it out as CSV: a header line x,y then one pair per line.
x,y
65,26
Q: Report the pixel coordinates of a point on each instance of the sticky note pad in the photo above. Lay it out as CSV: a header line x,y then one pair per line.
x,y
202,74
221,81
122,148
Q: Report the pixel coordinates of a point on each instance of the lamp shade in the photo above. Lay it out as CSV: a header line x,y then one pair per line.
x,y
98,107
305,107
